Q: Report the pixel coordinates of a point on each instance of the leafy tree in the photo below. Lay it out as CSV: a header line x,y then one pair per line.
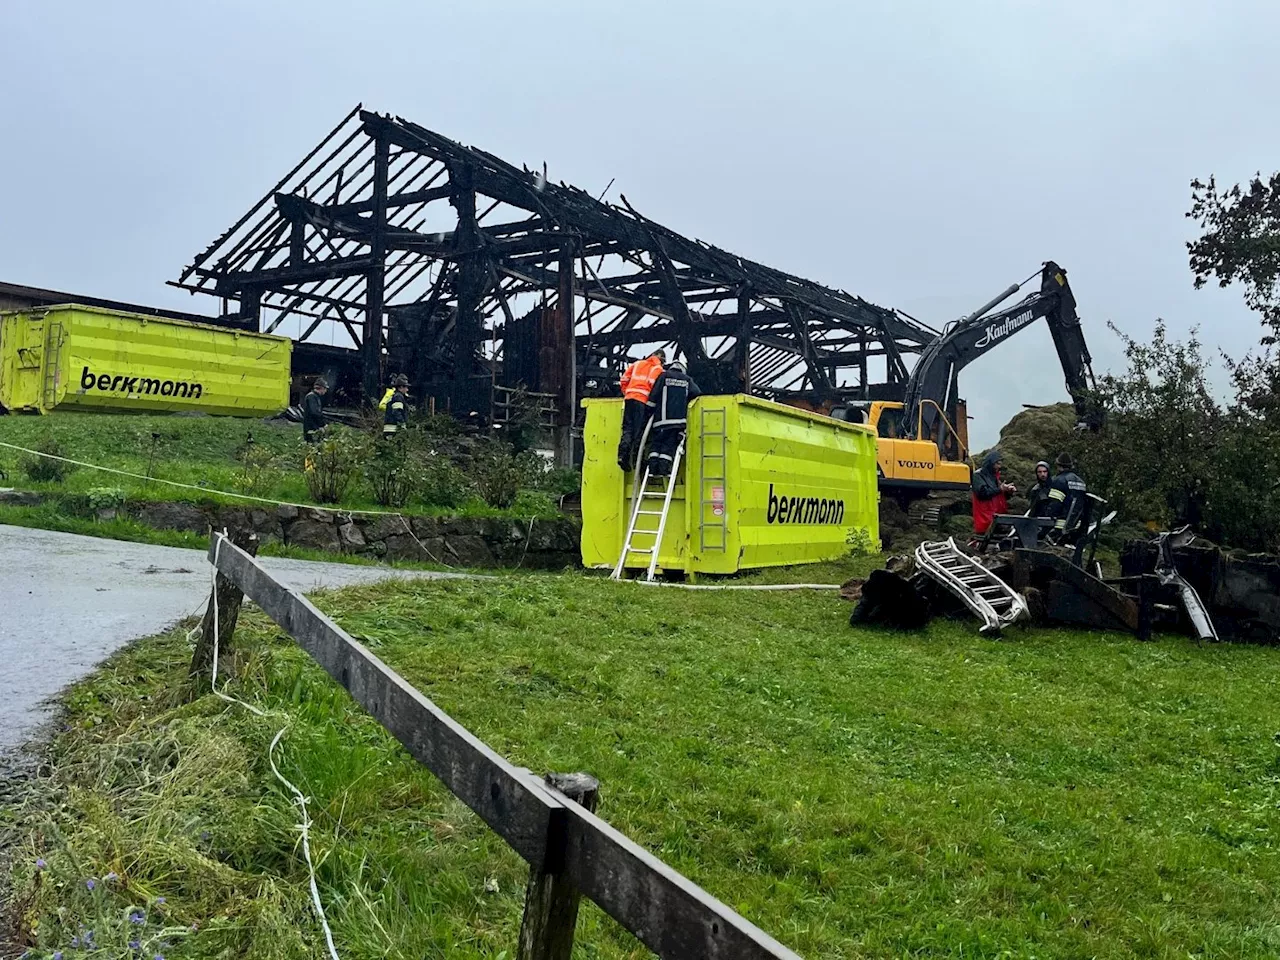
x,y
1241,242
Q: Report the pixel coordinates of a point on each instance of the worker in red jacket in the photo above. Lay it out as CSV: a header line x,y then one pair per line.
x,y
637,384
990,493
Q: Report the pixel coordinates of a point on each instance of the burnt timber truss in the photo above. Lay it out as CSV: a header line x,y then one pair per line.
x,y
423,256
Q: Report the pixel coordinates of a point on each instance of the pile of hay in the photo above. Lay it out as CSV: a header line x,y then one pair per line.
x,y
1036,433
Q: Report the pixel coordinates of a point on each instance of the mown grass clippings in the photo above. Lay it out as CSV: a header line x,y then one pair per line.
x,y
854,792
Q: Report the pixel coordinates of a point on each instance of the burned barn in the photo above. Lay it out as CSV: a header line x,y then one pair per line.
x,y
392,249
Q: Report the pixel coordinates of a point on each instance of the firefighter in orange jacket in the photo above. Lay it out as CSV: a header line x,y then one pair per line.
x,y
637,382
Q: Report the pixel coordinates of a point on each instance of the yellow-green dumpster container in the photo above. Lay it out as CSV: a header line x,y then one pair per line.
x,y
762,485
73,357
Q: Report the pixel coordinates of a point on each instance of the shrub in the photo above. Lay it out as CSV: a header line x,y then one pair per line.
x,y
394,473
105,498
534,503
561,482
259,469
497,475
332,463
443,485
861,543
44,470
534,469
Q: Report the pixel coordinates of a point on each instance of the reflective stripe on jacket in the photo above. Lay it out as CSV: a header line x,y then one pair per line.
x,y
670,398
397,414
638,379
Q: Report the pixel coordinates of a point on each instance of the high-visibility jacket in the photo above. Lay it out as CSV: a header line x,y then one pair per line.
x,y
397,414
637,379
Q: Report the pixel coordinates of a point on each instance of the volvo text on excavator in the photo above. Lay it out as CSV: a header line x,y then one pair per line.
x,y
923,442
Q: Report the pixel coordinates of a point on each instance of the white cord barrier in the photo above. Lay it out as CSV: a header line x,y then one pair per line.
x,y
304,825
228,493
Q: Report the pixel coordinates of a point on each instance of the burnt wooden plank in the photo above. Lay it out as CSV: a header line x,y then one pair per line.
x,y
513,805
667,912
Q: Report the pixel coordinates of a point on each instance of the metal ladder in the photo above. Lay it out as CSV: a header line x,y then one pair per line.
x,y
652,490
52,362
992,600
714,445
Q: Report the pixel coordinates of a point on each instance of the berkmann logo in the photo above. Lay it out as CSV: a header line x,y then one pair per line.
x,y
142,386
998,331
804,509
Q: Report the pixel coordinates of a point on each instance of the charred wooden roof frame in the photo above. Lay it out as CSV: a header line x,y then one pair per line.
x,y
361,229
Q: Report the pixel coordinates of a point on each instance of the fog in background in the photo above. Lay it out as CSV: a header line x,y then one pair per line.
x,y
921,155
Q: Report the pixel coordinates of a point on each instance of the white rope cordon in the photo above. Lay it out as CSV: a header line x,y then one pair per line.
x,y
304,825
229,493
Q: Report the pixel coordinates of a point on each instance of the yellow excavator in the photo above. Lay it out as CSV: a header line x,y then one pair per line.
x,y
923,440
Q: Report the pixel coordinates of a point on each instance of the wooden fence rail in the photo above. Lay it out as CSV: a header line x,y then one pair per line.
x,y
671,915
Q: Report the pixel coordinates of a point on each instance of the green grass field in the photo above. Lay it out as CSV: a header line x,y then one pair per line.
x,y
856,793
200,452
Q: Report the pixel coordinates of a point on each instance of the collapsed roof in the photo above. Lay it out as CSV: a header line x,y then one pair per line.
x,y
445,262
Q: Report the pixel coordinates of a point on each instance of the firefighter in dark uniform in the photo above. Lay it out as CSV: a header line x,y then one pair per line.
x,y
669,400
1066,498
313,418
397,410
1039,492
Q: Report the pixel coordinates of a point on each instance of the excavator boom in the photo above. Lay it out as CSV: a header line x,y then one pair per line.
x,y
931,391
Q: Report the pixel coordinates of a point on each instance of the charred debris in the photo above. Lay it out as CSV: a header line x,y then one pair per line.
x,y
392,249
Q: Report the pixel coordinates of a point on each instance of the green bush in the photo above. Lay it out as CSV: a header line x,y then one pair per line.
x,y
44,470
534,503
105,498
333,462
861,543
394,472
497,474
443,485
533,468
561,482
259,471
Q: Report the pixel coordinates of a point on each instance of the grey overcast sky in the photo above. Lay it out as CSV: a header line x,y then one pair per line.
x,y
921,154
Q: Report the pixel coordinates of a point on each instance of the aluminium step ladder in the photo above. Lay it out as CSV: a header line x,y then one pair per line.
x,y
992,600
652,492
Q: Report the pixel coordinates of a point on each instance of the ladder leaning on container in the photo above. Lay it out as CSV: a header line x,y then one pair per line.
x,y
652,491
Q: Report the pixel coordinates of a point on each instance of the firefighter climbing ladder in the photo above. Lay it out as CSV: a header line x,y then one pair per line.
x,y
994,602
712,478
653,491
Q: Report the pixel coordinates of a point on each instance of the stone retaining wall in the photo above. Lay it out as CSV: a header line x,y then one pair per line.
x,y
455,541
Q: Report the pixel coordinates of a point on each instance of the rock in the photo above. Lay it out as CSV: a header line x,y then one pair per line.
x,y
21,498
320,516
306,532
350,537
267,526
405,547
469,551
107,514
166,515
287,512
462,527
376,529
426,527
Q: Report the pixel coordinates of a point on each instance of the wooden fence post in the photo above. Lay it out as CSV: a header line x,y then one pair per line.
x,y
230,597
551,900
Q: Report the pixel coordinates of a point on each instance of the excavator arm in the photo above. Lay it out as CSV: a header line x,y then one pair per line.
x,y
931,390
